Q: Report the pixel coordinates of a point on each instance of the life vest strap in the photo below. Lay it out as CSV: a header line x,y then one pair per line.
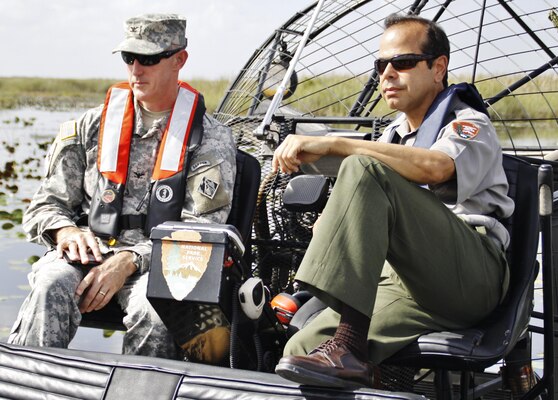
x,y
133,221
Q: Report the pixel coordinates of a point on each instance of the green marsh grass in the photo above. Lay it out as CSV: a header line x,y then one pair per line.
x,y
52,93
537,99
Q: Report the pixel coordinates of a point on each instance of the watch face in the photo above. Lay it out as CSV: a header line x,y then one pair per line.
x,y
137,261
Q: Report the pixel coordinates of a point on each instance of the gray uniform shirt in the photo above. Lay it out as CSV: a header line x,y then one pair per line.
x,y
478,193
72,175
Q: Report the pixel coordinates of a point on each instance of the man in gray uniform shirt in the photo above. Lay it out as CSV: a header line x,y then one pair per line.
x,y
129,156
409,241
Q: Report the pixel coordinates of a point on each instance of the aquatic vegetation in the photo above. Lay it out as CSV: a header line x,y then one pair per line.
x,y
33,259
44,145
14,216
8,171
12,188
12,297
24,122
107,333
19,264
64,94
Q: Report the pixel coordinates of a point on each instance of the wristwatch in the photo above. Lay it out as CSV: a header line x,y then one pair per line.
x,y
137,260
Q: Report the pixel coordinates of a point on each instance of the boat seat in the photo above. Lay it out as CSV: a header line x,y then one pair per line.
x,y
245,192
483,345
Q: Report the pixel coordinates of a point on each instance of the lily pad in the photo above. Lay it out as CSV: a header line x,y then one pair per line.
x,y
13,216
33,259
107,333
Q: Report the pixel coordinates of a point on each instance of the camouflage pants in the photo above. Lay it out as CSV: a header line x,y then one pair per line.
x,y
50,315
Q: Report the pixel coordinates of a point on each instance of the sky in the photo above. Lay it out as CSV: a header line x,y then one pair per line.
x,y
75,38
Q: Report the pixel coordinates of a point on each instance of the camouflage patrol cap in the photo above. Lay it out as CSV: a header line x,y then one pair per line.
x,y
153,33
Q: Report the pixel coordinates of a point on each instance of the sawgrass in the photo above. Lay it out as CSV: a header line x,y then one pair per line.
x,y
537,99
52,93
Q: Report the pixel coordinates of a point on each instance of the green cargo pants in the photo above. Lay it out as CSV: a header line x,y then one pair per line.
x,y
391,250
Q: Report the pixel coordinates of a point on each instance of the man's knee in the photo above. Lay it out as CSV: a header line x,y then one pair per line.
x,y
354,165
55,286
50,271
357,161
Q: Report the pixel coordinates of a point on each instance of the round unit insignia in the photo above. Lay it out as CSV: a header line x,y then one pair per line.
x,y
108,196
164,193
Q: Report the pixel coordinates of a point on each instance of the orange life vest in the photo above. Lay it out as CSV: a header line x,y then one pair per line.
x,y
183,131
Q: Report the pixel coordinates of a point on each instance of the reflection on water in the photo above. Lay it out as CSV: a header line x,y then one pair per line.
x,y
25,135
528,134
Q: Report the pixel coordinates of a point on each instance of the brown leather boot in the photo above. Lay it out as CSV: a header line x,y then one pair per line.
x,y
331,365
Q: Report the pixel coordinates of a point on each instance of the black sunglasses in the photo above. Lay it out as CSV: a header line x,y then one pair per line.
x,y
145,60
401,62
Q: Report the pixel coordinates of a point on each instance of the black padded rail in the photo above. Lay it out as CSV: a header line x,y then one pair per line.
x,y
483,345
35,373
27,374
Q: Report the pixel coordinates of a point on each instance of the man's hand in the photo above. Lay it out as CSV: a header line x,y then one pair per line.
x,y
77,244
299,149
103,281
315,226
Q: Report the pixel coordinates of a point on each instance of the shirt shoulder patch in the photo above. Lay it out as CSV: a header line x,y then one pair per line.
x,y
68,130
465,129
200,164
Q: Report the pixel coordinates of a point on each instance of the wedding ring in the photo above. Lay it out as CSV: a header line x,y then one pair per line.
x,y
102,293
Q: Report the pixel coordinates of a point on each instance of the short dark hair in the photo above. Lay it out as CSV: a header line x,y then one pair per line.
x,y
436,43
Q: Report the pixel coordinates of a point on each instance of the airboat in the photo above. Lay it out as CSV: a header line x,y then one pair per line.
x,y
314,75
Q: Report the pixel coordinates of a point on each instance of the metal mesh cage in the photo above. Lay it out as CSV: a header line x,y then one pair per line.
x,y
506,48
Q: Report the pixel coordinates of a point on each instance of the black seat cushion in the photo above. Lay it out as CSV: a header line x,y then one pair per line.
x,y
481,346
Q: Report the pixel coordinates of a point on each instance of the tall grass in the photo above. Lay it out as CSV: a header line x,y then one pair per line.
x,y
537,99
212,90
335,95
326,95
70,93
52,93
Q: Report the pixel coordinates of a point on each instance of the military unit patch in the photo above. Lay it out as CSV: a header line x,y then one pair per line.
x,y
164,193
465,129
208,188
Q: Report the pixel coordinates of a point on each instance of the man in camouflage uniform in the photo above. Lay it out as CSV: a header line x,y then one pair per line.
x,y
63,288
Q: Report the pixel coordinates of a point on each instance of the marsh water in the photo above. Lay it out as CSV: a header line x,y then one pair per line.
x,y
25,135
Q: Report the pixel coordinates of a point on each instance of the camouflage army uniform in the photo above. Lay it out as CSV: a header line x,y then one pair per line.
x,y
50,314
